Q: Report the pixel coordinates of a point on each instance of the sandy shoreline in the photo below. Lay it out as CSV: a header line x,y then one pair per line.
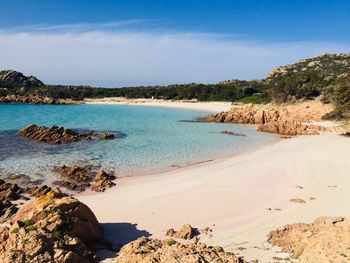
x,y
190,105
232,196
241,197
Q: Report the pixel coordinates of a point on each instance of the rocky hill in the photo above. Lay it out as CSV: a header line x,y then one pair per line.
x,y
329,66
326,75
11,78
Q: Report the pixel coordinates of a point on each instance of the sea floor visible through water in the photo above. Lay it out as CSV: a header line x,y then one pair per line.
x,y
153,139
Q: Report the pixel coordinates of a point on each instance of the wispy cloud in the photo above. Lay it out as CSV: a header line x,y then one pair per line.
x,y
96,55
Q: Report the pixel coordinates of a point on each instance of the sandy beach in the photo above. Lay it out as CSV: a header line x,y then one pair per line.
x,y
180,104
234,196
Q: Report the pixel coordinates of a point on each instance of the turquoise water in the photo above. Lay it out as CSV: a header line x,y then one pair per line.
x,y
154,138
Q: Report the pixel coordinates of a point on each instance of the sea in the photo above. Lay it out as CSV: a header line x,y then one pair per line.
x,y
151,139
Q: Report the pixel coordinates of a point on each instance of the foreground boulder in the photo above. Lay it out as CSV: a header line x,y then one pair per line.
x,y
145,250
269,118
52,228
80,178
327,239
56,135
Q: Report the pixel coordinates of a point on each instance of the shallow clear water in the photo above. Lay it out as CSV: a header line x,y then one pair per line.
x,y
155,138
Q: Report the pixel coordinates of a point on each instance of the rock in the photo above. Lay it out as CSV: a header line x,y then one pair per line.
x,y
53,134
186,232
269,118
79,178
76,173
102,181
9,192
76,187
6,212
39,190
57,135
145,250
346,134
297,200
207,230
35,99
327,239
51,227
232,133
106,135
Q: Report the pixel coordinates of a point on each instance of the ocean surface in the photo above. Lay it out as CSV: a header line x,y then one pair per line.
x,y
153,139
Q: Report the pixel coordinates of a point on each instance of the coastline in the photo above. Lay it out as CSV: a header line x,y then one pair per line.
x,y
180,104
232,196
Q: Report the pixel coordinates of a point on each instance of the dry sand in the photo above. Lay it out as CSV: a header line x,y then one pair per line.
x,y
232,196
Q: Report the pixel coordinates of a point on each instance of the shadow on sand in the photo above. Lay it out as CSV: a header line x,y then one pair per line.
x,y
120,234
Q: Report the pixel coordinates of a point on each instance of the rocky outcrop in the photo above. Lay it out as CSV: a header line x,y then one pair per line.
x,y
327,239
326,65
79,178
17,88
38,191
145,250
35,99
51,228
102,181
186,232
56,135
9,192
269,118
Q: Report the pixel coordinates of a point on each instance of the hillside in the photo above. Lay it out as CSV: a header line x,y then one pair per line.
x,y
327,75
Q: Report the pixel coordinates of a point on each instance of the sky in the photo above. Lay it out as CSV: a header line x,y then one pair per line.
x,y
158,42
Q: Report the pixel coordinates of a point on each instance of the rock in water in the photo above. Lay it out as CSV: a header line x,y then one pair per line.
x,y
56,135
232,133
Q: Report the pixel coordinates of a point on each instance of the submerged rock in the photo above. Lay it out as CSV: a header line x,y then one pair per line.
x,y
232,133
57,135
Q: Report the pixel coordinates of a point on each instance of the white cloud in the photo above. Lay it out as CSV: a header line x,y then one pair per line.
x,y
87,54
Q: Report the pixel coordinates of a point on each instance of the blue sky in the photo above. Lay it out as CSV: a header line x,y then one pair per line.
x,y
134,42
